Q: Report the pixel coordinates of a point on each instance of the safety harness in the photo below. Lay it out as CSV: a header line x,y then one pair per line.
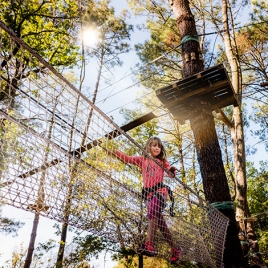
x,y
154,189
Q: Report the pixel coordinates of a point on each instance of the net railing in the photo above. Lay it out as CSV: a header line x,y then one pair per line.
x,y
54,162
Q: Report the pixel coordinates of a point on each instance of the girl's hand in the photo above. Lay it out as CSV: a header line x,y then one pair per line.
x,y
173,171
111,152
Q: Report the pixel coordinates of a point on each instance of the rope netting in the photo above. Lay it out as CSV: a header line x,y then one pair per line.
x,y
54,162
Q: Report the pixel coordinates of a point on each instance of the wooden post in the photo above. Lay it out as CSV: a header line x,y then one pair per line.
x,y
140,261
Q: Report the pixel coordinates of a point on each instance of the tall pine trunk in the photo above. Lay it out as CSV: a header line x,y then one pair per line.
x,y
40,202
209,156
237,134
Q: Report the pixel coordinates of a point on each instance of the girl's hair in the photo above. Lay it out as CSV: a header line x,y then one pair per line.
x,y
163,155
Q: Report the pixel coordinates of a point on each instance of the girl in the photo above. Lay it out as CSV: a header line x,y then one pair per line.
x,y
155,192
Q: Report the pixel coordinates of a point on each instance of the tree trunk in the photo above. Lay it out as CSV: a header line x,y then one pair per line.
x,y
94,95
29,256
215,183
209,156
40,202
182,168
64,229
237,134
227,163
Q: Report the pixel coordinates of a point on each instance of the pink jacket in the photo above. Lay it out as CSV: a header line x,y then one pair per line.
x,y
152,173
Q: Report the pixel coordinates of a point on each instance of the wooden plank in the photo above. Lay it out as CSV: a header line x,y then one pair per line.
x,y
181,113
212,85
113,134
206,77
203,79
224,103
198,92
264,84
137,122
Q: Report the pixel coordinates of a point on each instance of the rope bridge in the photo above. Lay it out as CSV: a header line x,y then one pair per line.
x,y
54,162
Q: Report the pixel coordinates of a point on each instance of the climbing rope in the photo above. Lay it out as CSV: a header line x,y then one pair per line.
x,y
187,38
223,205
54,161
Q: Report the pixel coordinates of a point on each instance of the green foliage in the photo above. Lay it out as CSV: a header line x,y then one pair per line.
x,y
87,247
127,259
48,27
114,31
46,246
9,226
258,201
17,257
260,116
252,47
141,133
160,55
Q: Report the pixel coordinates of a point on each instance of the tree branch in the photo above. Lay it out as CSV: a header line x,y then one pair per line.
x,y
224,118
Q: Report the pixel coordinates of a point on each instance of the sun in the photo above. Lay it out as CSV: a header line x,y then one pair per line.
x,y
91,36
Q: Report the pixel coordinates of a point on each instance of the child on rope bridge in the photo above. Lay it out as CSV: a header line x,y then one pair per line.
x,y
155,193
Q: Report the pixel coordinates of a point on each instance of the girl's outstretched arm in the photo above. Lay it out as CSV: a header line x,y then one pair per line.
x,y
134,160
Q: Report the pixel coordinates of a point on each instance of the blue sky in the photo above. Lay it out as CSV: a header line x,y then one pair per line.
x,y
46,230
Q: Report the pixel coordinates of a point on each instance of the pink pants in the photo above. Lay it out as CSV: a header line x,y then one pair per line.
x,y
155,208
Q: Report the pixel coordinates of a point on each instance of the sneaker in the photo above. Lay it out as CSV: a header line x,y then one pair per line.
x,y
175,255
149,249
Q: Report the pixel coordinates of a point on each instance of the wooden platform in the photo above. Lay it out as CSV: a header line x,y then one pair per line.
x,y
212,85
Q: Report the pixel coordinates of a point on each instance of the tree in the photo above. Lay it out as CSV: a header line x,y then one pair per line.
x,y
40,201
9,226
257,199
260,116
114,33
236,124
203,126
36,22
17,258
253,57
86,247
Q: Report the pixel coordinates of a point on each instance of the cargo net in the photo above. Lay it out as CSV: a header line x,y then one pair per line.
x,y
54,162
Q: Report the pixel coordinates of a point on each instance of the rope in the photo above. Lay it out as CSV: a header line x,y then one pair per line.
x,y
255,253
51,167
187,38
223,205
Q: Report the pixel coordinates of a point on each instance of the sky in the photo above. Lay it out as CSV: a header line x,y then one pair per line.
x,y
123,90
46,229
129,61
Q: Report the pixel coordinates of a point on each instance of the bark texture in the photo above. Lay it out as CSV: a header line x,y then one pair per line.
x,y
237,134
202,122
29,256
